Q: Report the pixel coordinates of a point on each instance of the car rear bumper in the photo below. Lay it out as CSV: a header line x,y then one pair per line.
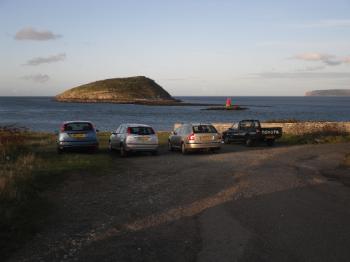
x,y
77,144
203,145
141,147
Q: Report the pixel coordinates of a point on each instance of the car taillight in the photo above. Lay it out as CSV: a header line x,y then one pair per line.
x,y
129,131
191,137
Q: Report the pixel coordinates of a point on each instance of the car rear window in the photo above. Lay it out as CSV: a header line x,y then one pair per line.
x,y
249,124
78,127
141,130
204,129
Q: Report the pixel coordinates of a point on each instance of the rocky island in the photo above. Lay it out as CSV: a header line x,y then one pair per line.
x,y
129,90
329,92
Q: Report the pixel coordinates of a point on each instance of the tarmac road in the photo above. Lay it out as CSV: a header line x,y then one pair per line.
x,y
243,204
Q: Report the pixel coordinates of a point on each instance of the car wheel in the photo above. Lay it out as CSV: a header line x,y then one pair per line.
x,y
59,150
270,142
123,152
154,153
226,140
183,149
170,147
249,142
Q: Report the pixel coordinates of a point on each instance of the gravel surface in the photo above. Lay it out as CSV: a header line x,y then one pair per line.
x,y
243,204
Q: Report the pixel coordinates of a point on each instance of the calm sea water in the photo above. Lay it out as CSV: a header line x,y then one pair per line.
x,y
44,114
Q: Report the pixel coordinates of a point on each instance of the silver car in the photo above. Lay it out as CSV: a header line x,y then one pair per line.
x,y
77,134
189,137
133,138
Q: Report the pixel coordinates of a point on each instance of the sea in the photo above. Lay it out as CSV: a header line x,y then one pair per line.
x,y
45,114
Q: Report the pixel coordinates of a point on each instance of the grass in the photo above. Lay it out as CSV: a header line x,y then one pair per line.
x,y
29,165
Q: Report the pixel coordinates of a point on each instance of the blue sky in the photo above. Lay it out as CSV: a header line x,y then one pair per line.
x,y
197,47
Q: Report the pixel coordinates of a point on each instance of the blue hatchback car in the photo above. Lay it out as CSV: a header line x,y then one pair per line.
x,y
77,134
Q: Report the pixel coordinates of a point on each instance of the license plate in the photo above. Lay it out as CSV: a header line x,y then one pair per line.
x,y
205,138
144,138
78,136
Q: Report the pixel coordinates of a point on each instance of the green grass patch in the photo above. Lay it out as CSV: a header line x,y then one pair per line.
x,y
29,165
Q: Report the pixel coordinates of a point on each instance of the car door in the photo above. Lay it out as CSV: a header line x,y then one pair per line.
x,y
186,131
235,132
118,136
177,137
114,138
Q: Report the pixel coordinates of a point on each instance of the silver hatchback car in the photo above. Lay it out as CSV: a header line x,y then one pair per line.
x,y
134,138
190,137
77,134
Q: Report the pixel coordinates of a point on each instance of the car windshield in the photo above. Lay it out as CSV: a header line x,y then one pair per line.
x,y
141,130
249,124
78,127
204,129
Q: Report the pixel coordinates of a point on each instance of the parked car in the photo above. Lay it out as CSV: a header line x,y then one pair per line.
x,y
77,134
189,137
134,138
251,132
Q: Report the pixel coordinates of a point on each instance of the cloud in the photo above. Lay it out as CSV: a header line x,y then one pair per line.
x,y
302,75
311,68
39,78
330,23
46,60
327,59
30,33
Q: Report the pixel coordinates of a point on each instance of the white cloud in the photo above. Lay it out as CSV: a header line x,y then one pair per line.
x,y
327,59
30,33
39,78
46,60
303,75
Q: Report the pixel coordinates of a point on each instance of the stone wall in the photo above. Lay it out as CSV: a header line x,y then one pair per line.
x,y
298,128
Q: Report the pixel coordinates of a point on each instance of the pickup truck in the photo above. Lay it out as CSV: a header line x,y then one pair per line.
x,y
251,132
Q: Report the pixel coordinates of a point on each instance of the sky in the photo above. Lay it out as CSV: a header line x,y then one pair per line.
x,y
191,47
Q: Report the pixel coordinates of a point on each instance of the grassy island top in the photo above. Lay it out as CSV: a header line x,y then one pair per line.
x,y
119,90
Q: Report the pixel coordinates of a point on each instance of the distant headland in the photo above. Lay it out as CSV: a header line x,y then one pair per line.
x,y
129,90
329,92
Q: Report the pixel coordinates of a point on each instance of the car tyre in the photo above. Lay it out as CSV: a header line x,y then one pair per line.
x,y
154,153
170,147
270,142
60,150
110,147
183,149
226,140
249,142
123,152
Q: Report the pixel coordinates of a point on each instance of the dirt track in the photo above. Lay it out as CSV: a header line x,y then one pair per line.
x,y
260,204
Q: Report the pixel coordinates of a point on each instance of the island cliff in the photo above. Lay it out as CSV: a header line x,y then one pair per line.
x,y
329,92
130,90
